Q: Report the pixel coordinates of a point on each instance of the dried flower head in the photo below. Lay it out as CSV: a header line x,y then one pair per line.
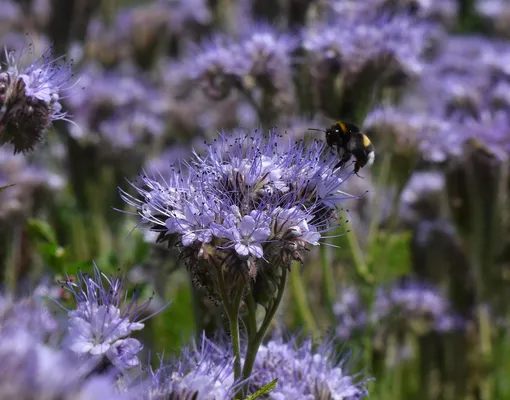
x,y
30,99
250,205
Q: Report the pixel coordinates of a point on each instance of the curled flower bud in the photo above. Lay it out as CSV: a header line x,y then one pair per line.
x,y
29,99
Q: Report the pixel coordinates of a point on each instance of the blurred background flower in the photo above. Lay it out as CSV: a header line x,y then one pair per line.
x,y
418,278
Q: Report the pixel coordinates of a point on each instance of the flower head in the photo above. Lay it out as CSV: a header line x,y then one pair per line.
x,y
30,99
30,369
32,181
27,314
410,305
304,373
251,203
202,372
118,110
390,44
260,56
104,319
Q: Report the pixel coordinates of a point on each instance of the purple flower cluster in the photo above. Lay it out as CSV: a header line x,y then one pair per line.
x,y
30,99
261,55
410,305
139,32
203,371
31,180
496,13
444,11
394,43
251,202
462,102
305,373
104,319
31,366
119,110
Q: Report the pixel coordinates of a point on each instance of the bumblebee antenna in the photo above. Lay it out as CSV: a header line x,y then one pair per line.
x,y
313,129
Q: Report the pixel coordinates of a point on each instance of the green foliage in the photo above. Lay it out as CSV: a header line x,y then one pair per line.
x,y
174,327
264,390
390,255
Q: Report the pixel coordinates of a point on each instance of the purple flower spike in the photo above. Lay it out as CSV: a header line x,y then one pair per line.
x,y
30,99
104,319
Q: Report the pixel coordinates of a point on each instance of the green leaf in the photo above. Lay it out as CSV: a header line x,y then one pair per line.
x,y
41,231
264,390
2,188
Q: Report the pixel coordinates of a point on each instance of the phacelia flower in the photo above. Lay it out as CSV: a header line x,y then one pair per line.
x,y
392,45
30,369
444,11
497,15
33,180
203,372
305,373
138,33
27,314
104,319
30,99
118,111
410,305
251,203
261,57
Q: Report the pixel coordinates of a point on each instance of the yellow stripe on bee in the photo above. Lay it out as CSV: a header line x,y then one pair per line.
x,y
342,126
366,141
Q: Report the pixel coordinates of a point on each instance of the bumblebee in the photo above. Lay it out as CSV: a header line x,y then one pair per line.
x,y
350,142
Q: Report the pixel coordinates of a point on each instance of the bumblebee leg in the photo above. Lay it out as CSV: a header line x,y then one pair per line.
x,y
357,167
344,157
339,164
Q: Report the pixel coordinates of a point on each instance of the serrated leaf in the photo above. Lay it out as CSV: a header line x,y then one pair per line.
x,y
2,188
41,230
263,390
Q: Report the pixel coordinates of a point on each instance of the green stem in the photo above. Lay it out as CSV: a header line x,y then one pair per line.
x,y
298,290
234,330
328,280
255,341
251,317
486,385
359,261
232,310
382,181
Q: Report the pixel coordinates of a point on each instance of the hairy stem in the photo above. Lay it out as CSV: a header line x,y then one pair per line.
x,y
299,293
328,281
232,310
254,341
